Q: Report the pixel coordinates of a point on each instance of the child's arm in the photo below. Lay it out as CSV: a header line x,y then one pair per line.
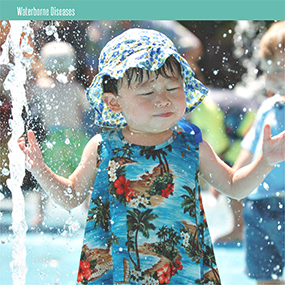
x,y
67,192
241,182
245,157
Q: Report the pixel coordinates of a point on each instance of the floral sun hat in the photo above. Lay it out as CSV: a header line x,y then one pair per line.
x,y
142,48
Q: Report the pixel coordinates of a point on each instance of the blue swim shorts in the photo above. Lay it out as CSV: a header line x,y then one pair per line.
x,y
264,237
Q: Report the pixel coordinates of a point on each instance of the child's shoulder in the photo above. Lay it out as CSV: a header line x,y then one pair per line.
x,y
95,140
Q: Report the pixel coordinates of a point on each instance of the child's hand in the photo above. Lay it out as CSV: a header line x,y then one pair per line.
x,y
34,158
273,148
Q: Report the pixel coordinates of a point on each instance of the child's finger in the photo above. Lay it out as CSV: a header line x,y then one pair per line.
x,y
266,132
32,139
21,144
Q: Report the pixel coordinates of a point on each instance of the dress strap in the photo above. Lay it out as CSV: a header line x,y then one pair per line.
x,y
191,129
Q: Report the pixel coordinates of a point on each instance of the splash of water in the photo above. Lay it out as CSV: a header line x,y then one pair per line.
x,y
17,44
247,36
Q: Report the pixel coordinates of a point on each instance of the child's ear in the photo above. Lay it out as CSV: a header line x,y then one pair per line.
x,y
112,101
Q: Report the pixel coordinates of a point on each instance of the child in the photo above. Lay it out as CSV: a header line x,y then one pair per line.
x,y
146,222
63,102
264,207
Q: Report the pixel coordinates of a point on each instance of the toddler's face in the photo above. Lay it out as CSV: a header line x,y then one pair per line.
x,y
154,105
274,73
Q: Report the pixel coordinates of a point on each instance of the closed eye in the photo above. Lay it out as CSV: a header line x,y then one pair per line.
x,y
146,94
171,89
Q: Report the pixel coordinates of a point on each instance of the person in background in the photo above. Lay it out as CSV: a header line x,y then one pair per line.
x,y
263,214
72,32
61,100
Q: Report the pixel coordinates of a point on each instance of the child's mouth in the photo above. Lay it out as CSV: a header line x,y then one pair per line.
x,y
164,115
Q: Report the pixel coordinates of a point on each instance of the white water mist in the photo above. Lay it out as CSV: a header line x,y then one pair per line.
x,y
14,82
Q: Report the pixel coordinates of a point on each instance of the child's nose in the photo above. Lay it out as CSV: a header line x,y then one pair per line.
x,y
162,101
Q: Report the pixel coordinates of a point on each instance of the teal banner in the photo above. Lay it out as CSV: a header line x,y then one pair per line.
x,y
142,10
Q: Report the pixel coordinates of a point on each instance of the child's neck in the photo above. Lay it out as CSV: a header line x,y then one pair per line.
x,y
146,139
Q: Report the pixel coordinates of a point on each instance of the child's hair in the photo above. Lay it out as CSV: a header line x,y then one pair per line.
x,y
273,41
170,67
58,57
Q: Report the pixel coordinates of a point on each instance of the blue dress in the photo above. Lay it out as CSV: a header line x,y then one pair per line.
x,y
146,223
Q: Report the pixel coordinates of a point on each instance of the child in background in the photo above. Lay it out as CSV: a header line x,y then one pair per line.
x,y
146,223
264,215
62,101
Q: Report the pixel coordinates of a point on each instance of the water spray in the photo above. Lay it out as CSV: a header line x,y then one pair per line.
x,y
17,45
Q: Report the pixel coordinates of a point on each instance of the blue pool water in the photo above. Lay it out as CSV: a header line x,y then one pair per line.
x,y
53,259
53,250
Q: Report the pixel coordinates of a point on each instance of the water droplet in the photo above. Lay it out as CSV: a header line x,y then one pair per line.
x,y
4,23
62,78
5,171
50,30
53,263
4,241
49,145
67,141
274,276
265,186
69,190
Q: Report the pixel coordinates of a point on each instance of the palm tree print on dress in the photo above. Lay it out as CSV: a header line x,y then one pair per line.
x,y
162,184
146,221
160,181
138,221
194,248
148,152
100,214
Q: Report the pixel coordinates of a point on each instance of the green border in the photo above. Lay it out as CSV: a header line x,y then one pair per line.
x,y
150,9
